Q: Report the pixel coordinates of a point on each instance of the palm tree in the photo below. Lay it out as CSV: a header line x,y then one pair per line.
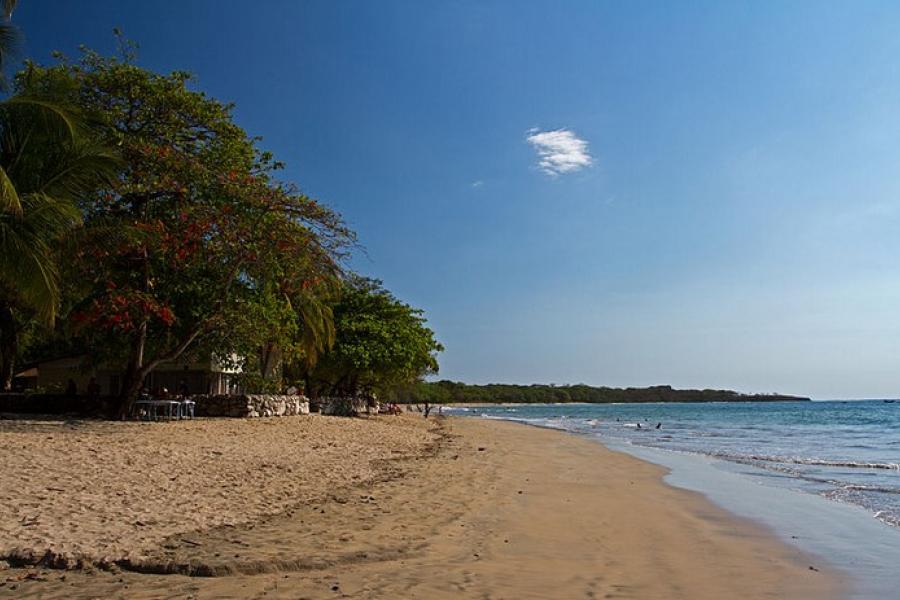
x,y
47,161
316,320
314,335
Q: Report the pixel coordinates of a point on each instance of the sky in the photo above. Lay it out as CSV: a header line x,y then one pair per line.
x,y
700,194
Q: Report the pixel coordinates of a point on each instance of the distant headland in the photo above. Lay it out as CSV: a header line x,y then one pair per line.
x,y
452,392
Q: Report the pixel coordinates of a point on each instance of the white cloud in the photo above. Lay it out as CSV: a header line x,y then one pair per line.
x,y
477,184
559,151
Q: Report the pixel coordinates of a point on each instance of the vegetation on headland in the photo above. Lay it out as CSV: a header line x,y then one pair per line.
x,y
451,392
172,236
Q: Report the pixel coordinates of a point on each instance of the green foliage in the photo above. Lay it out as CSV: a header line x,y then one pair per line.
x,y
451,392
380,343
49,157
196,246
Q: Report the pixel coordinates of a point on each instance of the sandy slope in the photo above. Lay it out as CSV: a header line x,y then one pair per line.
x,y
108,490
499,510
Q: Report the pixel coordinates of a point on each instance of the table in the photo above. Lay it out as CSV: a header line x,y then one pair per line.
x,y
170,409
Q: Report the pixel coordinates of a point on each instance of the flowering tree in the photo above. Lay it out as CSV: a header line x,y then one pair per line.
x,y
196,247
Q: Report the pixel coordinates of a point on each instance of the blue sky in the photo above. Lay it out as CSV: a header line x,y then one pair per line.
x,y
728,209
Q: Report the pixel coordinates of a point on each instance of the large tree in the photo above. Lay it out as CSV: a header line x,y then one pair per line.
x,y
196,243
380,343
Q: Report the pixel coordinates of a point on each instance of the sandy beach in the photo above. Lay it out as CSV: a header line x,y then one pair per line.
x,y
106,491
389,507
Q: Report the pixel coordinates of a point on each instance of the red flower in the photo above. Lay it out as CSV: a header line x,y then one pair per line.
x,y
167,316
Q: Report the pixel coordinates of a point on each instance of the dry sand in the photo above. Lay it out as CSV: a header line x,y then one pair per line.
x,y
109,490
490,510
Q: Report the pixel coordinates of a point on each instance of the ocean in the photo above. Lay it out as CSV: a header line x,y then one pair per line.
x,y
845,451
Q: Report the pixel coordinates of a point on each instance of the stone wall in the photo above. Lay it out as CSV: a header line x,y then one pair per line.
x,y
251,405
344,405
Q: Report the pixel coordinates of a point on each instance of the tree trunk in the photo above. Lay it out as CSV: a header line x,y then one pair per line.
x,y
311,391
134,374
130,393
9,346
269,360
138,369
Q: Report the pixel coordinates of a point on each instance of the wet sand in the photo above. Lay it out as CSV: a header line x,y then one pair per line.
x,y
470,509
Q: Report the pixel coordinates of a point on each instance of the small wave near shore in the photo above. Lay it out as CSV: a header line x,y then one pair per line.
x,y
844,451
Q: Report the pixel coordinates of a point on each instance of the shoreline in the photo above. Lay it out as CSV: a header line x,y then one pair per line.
x,y
492,508
458,405
846,536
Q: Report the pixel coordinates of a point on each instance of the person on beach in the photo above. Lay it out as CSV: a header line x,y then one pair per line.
x,y
71,389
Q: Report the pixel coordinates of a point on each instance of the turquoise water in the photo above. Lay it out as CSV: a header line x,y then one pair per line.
x,y
848,452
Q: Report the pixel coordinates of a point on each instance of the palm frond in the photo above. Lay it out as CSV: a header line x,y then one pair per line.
x,y
101,234
9,197
82,168
51,113
317,331
27,267
49,213
48,162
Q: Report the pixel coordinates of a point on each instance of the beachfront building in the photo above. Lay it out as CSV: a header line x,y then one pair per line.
x,y
210,376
